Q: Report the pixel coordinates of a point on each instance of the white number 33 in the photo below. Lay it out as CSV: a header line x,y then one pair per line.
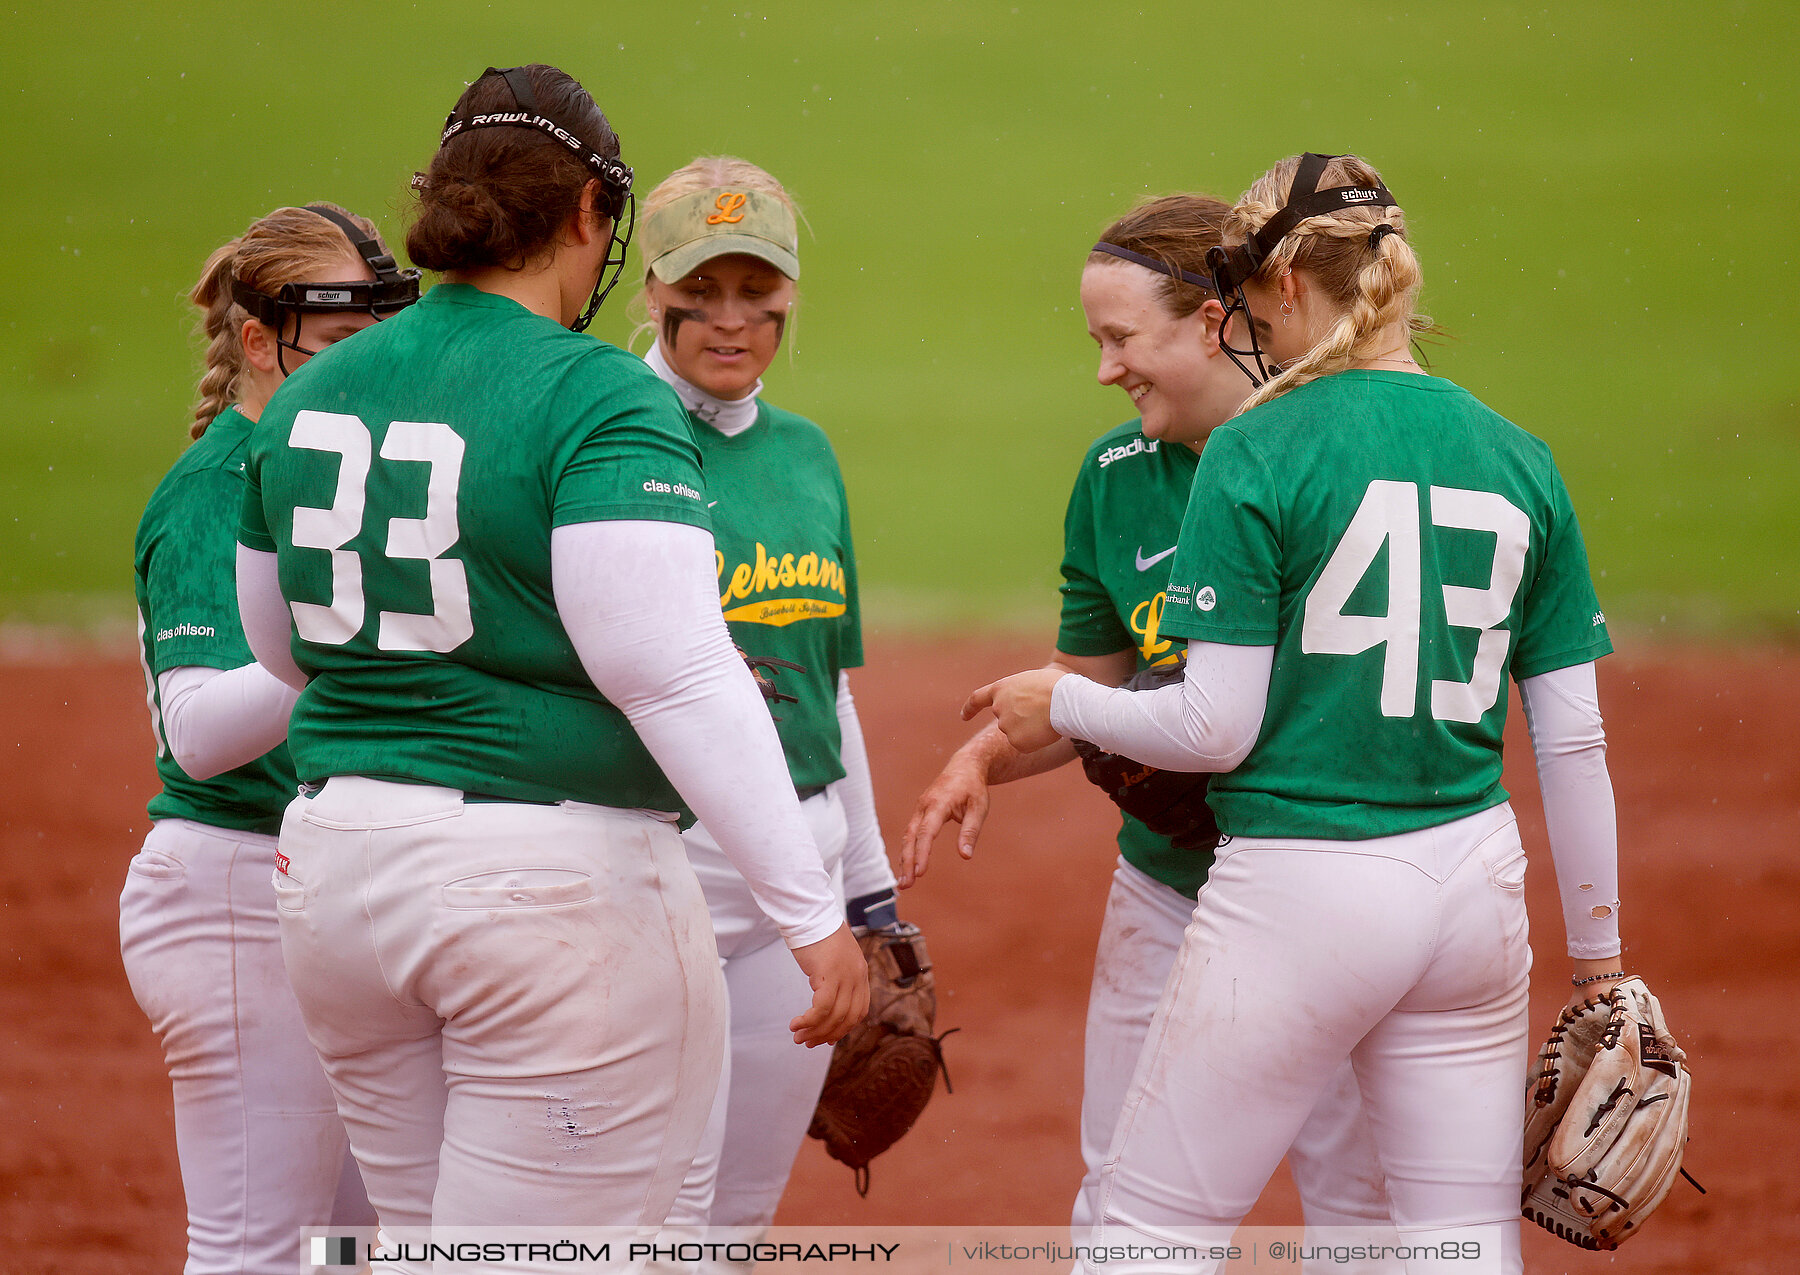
x,y
1389,514
449,624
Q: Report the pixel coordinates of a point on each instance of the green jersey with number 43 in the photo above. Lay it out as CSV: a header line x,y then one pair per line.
x,y
1118,535
409,478
1403,548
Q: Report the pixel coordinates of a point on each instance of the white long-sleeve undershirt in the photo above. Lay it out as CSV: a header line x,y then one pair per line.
x,y
265,615
215,720
1208,721
639,601
1568,737
1211,720
866,866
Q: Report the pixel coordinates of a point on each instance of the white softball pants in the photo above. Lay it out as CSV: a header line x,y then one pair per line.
x,y
1333,1154
1408,955
770,1085
261,1147
518,1006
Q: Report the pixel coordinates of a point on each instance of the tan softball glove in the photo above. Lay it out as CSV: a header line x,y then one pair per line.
x,y
1606,1119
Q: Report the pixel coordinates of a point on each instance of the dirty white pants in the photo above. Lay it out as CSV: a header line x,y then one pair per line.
x,y
518,1006
1407,955
261,1148
1333,1156
770,1085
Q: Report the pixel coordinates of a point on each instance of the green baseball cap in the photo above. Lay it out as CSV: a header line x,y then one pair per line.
x,y
711,223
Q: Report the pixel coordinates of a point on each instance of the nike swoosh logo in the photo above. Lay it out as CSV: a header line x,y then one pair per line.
x,y
711,503
1144,564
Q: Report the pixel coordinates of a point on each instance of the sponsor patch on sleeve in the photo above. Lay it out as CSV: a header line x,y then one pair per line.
x,y
659,487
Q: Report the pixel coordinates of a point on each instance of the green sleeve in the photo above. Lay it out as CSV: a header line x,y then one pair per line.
x,y
253,527
1562,624
1225,584
850,647
637,460
1090,622
188,567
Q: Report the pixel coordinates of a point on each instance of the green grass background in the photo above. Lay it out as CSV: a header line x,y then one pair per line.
x,y
1603,195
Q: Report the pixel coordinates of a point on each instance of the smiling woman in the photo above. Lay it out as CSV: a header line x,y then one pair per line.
x,y
1152,310
1370,889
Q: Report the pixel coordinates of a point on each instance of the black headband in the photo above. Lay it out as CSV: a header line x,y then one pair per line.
x,y
393,288
1151,263
616,175
1303,201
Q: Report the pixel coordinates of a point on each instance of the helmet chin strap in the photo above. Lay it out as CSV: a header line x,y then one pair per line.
x,y
615,263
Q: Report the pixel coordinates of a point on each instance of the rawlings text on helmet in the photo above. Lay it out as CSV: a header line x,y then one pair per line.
x,y
529,120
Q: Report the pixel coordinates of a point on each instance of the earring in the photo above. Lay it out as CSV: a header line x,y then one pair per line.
x,y
1287,312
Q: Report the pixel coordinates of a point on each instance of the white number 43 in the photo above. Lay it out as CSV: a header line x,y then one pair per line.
x,y
1389,514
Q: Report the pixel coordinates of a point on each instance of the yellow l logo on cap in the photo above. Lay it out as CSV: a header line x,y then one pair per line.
x,y
728,205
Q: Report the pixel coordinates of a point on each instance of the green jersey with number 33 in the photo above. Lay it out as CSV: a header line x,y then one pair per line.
x,y
1404,549
408,479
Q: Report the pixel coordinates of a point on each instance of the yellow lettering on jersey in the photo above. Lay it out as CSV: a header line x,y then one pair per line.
x,y
1145,621
770,573
740,581
784,611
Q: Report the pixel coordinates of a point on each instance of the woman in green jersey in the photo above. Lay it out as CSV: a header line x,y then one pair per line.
x,y
1152,311
1368,554
720,243
262,1150
479,540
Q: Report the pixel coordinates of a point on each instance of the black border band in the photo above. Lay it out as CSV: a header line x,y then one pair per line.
x,y
1151,263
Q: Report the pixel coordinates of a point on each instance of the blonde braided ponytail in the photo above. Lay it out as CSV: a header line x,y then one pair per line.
x,y
1370,276
221,322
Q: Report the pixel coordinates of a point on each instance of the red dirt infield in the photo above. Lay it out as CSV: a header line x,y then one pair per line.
x,y
1704,759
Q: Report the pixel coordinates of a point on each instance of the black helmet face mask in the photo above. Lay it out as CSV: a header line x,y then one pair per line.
x,y
392,290
616,202
1233,267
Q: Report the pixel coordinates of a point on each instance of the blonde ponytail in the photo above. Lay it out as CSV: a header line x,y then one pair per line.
x,y
1370,276
220,325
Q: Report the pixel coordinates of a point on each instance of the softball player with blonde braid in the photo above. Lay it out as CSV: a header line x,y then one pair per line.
x,y
720,246
1157,323
480,541
261,1148
1368,554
